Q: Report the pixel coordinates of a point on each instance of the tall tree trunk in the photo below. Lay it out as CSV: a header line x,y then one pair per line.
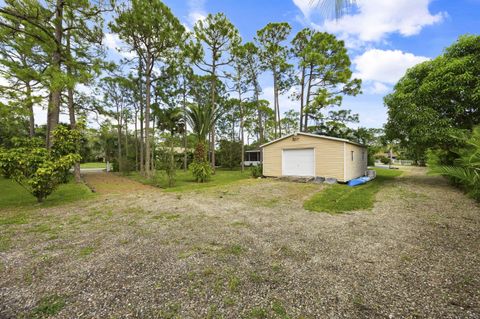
x,y
125,121
185,125
307,102
147,115
213,89
279,119
153,145
261,136
242,138
142,137
119,136
302,89
71,108
275,103
31,126
136,141
53,113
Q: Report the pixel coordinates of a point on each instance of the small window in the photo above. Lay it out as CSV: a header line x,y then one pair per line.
x,y
352,155
363,155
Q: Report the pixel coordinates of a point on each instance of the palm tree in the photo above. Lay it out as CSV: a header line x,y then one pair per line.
x,y
337,7
202,120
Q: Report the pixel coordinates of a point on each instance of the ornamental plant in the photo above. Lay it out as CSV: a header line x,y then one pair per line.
x,y
36,168
200,167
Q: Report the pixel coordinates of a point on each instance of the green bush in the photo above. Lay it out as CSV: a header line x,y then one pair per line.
x,y
229,154
465,170
370,159
201,171
384,160
256,171
37,169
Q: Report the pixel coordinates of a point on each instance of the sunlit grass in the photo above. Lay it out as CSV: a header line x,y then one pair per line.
x,y
93,165
341,198
184,181
14,195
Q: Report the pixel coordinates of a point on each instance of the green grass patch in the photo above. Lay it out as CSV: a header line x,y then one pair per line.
x,y
166,216
340,198
5,242
93,165
14,195
85,251
48,306
185,181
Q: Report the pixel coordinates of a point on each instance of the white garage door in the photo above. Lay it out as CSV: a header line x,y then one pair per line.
x,y
298,162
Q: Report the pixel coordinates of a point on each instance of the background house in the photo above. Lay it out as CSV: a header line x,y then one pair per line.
x,y
304,154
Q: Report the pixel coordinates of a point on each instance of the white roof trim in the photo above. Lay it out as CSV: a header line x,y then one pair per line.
x,y
312,135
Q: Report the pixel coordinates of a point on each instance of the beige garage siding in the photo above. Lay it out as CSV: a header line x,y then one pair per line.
x,y
358,166
329,156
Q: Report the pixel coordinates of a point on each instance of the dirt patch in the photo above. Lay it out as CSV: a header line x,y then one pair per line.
x,y
109,183
248,250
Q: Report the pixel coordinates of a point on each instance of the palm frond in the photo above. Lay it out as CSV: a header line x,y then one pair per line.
x,y
465,175
334,8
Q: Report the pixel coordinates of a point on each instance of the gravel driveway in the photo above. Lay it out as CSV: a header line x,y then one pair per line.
x,y
248,250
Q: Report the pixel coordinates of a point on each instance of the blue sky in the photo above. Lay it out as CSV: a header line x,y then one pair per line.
x,y
384,37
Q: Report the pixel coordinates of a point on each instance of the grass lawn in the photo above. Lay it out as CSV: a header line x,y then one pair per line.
x,y
93,165
186,182
14,195
341,198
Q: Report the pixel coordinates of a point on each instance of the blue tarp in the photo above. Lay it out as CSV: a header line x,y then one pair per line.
x,y
358,181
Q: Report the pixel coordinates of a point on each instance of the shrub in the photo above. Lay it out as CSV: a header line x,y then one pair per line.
x,y
465,169
35,168
229,154
384,160
256,171
201,171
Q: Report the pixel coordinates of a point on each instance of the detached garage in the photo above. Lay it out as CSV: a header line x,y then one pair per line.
x,y
311,155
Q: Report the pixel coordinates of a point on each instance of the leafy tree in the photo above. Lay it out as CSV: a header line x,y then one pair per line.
x,y
336,124
273,55
170,120
219,36
116,92
252,66
327,76
300,51
436,100
230,153
242,82
36,168
48,23
289,122
21,67
154,33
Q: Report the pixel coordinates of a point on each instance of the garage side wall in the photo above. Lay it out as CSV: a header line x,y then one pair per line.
x,y
329,156
358,166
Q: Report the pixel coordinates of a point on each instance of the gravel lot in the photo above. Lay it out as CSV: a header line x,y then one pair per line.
x,y
248,250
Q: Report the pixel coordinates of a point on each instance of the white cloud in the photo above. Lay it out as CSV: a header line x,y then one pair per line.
x,y
384,66
113,42
196,11
378,88
374,20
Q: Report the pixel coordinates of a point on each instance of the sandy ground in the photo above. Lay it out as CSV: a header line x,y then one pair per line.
x,y
248,250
